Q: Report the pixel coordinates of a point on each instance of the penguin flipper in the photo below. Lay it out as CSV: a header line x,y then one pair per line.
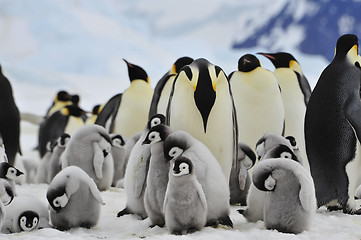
x,y
201,196
98,160
157,93
141,176
352,112
305,86
110,110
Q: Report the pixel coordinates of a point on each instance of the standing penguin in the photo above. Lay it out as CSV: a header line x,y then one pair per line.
x,y
290,202
74,199
201,103
157,178
208,172
128,112
119,153
90,149
25,213
9,119
237,185
135,178
257,99
67,120
54,165
333,128
62,99
295,92
185,204
164,86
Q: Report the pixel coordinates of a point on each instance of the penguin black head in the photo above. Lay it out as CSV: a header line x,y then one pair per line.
x,y
63,139
72,110
28,220
8,171
136,73
57,198
118,140
292,141
344,44
96,109
63,96
281,151
75,99
248,63
280,59
157,133
156,119
180,63
174,146
182,166
247,152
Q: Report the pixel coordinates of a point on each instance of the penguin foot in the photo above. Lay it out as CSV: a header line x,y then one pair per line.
x,y
125,211
191,230
225,221
159,225
352,211
212,223
334,208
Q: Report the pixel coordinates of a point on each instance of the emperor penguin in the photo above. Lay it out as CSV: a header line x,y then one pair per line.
x,y
185,204
67,120
62,99
74,199
128,112
237,185
90,149
333,128
295,92
25,213
118,152
257,99
201,103
164,86
9,119
54,166
157,178
208,172
10,174
256,198
290,202
135,178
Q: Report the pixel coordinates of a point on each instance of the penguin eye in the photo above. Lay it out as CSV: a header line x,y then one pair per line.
x,y
12,170
155,122
175,152
286,155
56,203
23,219
35,221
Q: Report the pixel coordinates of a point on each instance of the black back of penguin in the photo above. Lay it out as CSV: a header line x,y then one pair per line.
x,y
9,119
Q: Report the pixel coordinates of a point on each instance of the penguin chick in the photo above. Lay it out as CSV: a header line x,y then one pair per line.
x,y
208,173
135,178
90,149
268,141
157,178
119,157
9,172
290,203
74,199
25,213
7,192
54,165
185,205
240,181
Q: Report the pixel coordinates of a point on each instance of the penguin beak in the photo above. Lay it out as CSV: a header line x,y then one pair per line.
x,y
267,55
146,141
18,173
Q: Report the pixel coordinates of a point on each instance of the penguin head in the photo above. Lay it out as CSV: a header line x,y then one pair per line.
x,y
136,73
28,220
269,140
96,109
75,99
248,63
7,193
63,140
281,151
117,141
62,96
347,47
155,120
180,63
72,110
174,145
246,156
57,198
182,166
283,60
156,134
8,171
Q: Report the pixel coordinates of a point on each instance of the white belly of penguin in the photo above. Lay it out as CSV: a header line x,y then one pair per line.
x,y
73,124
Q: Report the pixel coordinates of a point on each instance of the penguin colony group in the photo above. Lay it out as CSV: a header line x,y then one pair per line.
x,y
200,142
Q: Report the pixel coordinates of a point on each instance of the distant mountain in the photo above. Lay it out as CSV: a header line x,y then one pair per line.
x,y
313,26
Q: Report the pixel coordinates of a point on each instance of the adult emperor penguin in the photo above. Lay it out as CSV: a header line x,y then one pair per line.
x,y
90,149
295,92
67,120
135,178
164,86
208,172
290,202
185,204
237,185
9,119
157,178
62,99
333,128
25,213
257,99
74,199
201,103
128,112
